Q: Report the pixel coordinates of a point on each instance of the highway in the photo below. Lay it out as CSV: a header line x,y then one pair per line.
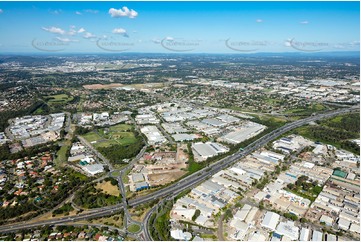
x,y
202,175
94,213
188,181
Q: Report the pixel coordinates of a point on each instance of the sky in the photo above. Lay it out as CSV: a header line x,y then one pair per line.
x,y
166,27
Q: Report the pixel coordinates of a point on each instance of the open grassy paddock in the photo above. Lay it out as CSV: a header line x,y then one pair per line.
x,y
120,133
108,188
117,142
58,99
92,136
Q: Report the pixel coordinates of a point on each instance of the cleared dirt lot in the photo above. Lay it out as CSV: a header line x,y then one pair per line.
x,y
108,188
164,178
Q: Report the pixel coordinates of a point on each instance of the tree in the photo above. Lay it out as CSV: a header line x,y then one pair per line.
x,y
291,216
303,220
261,205
196,214
290,186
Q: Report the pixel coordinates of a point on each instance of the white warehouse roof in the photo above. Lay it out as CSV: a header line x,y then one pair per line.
x,y
270,220
316,236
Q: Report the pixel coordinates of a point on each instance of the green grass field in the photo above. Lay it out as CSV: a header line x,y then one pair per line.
x,y
116,134
117,142
121,127
105,143
58,99
119,133
92,136
61,157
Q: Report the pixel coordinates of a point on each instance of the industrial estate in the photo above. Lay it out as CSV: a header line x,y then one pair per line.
x,y
189,147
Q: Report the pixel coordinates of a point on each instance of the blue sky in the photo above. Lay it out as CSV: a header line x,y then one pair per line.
x,y
203,27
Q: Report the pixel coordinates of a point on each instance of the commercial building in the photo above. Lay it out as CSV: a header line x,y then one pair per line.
x,y
93,169
326,219
180,235
146,119
270,220
141,185
288,229
214,122
202,151
228,119
184,137
343,224
153,135
243,133
305,234
242,214
174,128
317,235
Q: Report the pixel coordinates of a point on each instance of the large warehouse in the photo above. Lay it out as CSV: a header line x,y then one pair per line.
x,y
203,151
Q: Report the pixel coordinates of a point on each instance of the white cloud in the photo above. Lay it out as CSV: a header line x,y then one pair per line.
x,y
156,41
91,11
89,35
259,20
1,11
81,30
66,40
78,13
120,31
123,12
72,30
304,22
169,38
54,30
288,42
56,12
355,43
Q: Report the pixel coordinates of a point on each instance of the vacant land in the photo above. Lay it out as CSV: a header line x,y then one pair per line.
x,y
93,196
114,220
92,137
116,143
108,188
61,155
159,179
118,134
122,133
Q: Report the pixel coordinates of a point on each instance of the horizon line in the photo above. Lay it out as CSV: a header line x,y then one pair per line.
x,y
183,53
